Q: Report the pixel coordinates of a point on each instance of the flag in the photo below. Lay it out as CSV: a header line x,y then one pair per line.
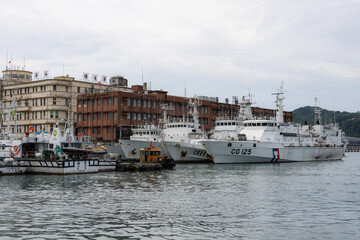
x,y
10,61
32,127
98,83
13,111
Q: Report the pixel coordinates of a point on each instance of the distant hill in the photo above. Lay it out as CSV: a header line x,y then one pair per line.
x,y
349,122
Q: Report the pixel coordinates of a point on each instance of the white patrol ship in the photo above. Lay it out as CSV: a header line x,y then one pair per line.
x,y
182,138
272,140
145,136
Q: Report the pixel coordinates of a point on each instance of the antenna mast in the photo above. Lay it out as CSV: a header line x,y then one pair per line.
x,y
317,111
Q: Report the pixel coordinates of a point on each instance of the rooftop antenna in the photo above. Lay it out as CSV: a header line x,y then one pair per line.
x,y
142,74
7,60
150,83
185,88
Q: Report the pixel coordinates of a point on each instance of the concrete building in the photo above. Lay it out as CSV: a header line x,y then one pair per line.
x,y
45,102
106,116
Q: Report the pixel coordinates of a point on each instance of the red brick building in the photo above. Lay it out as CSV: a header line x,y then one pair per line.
x,y
106,116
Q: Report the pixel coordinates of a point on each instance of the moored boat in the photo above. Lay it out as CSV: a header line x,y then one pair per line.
x,y
272,140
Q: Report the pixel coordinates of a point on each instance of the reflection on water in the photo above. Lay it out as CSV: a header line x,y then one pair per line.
x,y
261,201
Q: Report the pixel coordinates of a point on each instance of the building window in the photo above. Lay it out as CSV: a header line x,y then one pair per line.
x,y
78,90
94,102
44,101
94,130
115,101
98,130
114,128
51,114
139,103
56,114
99,116
66,89
84,116
54,101
154,104
128,116
108,130
139,116
26,102
154,117
5,92
134,116
84,103
79,103
99,101
79,117
114,115
149,104
94,116
54,88
109,115
109,101
134,104
129,101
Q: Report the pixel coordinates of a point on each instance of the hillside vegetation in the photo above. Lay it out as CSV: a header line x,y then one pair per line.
x,y
349,122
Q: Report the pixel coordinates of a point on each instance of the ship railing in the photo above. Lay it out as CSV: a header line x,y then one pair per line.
x,y
85,139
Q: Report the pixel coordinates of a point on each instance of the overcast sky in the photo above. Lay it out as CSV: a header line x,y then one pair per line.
x,y
213,47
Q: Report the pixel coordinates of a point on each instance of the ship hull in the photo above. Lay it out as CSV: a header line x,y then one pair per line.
x,y
187,152
255,152
131,148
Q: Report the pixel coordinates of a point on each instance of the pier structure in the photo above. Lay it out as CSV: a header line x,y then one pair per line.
x,y
353,144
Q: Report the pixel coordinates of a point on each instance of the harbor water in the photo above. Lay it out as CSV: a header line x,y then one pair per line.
x,y
314,200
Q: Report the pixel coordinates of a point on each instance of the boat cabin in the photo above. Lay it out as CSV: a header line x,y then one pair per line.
x,y
150,155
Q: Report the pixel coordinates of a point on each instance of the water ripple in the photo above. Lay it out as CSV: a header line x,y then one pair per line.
x,y
263,201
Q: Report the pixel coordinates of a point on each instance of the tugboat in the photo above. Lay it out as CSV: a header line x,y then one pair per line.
x,y
153,155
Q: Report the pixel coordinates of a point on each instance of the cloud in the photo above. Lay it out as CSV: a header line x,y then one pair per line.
x,y
219,48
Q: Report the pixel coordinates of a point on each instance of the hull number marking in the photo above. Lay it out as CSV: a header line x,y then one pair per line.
x,y
243,151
